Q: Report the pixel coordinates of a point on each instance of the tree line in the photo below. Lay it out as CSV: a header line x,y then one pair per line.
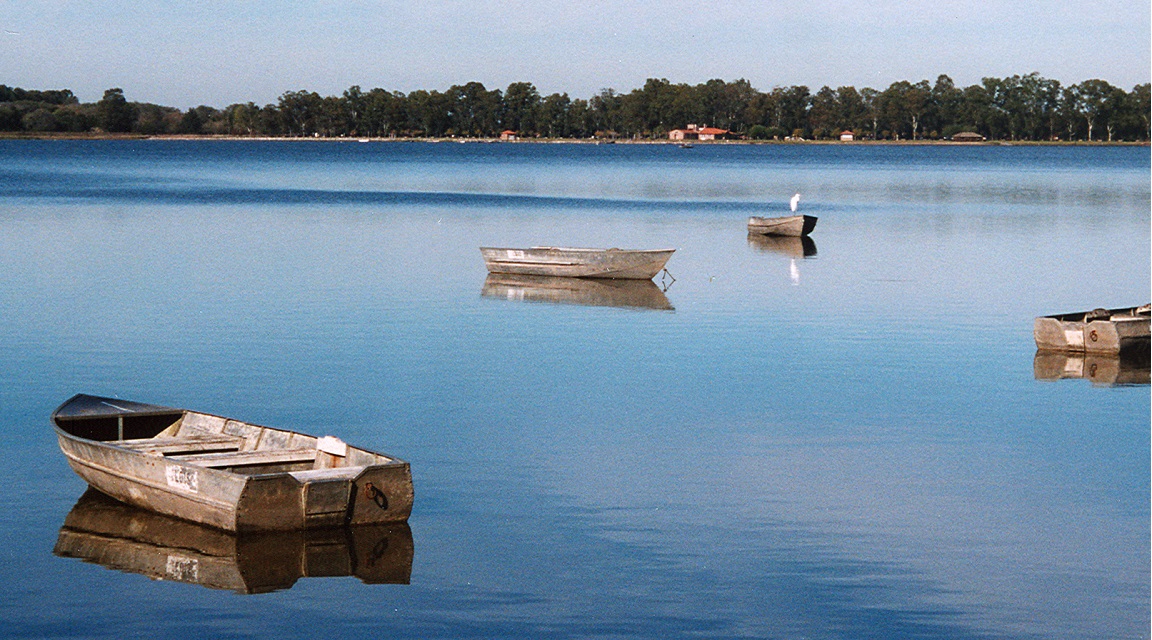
x,y
1027,107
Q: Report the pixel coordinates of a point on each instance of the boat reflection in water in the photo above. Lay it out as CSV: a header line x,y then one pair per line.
x,y
104,531
790,246
1127,368
594,292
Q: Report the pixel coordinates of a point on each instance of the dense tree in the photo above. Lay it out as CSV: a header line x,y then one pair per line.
x,y
1097,102
824,114
113,113
521,108
1020,107
473,110
1139,109
555,117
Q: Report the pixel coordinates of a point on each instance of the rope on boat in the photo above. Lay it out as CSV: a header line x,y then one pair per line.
x,y
665,274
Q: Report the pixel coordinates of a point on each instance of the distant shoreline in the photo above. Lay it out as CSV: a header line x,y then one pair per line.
x,y
694,143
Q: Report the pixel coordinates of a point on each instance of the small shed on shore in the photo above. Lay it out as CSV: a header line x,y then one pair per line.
x,y
508,134
847,136
967,136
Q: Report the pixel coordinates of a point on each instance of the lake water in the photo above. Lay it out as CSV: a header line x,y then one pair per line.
x,y
851,439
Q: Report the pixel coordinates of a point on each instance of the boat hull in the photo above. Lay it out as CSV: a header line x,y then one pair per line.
x,y
232,475
577,262
786,226
1109,331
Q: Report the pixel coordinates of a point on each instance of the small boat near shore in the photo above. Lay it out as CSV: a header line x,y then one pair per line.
x,y
225,473
115,535
630,264
1098,331
785,226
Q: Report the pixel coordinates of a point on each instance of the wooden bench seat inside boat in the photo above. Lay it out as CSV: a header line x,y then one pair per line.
x,y
249,458
184,444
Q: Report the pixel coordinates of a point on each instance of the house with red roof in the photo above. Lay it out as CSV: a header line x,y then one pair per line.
x,y
693,132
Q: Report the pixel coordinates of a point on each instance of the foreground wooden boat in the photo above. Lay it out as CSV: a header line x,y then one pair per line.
x,y
786,226
119,536
577,262
1097,331
593,292
225,473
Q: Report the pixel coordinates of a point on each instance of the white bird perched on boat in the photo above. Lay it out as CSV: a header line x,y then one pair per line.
x,y
795,201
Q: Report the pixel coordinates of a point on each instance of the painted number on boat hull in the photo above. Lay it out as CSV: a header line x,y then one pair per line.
x,y
183,569
183,478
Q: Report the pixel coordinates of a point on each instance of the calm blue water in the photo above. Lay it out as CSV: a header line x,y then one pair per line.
x,y
853,444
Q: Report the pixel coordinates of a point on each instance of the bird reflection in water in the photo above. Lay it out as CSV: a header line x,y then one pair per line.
x,y
794,247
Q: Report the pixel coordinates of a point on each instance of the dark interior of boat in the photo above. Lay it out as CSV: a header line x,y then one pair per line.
x,y
96,418
105,428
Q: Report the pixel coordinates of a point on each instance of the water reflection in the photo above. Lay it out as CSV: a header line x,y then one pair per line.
x,y
792,247
1127,368
633,294
107,532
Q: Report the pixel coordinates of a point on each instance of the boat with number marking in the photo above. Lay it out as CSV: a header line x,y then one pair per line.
x,y
225,473
795,226
1096,331
573,262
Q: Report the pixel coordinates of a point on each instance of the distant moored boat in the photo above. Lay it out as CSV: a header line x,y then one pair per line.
x,y
786,226
632,264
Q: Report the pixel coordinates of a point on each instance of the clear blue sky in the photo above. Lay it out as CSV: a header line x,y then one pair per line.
x,y
185,53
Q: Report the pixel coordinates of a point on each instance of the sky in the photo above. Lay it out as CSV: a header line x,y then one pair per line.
x,y
185,53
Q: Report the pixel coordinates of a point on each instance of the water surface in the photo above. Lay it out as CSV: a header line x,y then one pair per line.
x,y
852,444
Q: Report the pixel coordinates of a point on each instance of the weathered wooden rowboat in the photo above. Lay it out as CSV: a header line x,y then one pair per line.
x,y
225,473
1097,331
786,226
595,292
118,536
642,264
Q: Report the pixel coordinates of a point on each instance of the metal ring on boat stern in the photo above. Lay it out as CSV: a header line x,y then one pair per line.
x,y
375,495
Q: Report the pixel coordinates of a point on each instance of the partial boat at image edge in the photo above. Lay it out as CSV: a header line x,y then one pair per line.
x,y
1097,331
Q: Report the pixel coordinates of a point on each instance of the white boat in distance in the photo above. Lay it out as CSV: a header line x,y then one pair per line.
x,y
631,264
786,226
